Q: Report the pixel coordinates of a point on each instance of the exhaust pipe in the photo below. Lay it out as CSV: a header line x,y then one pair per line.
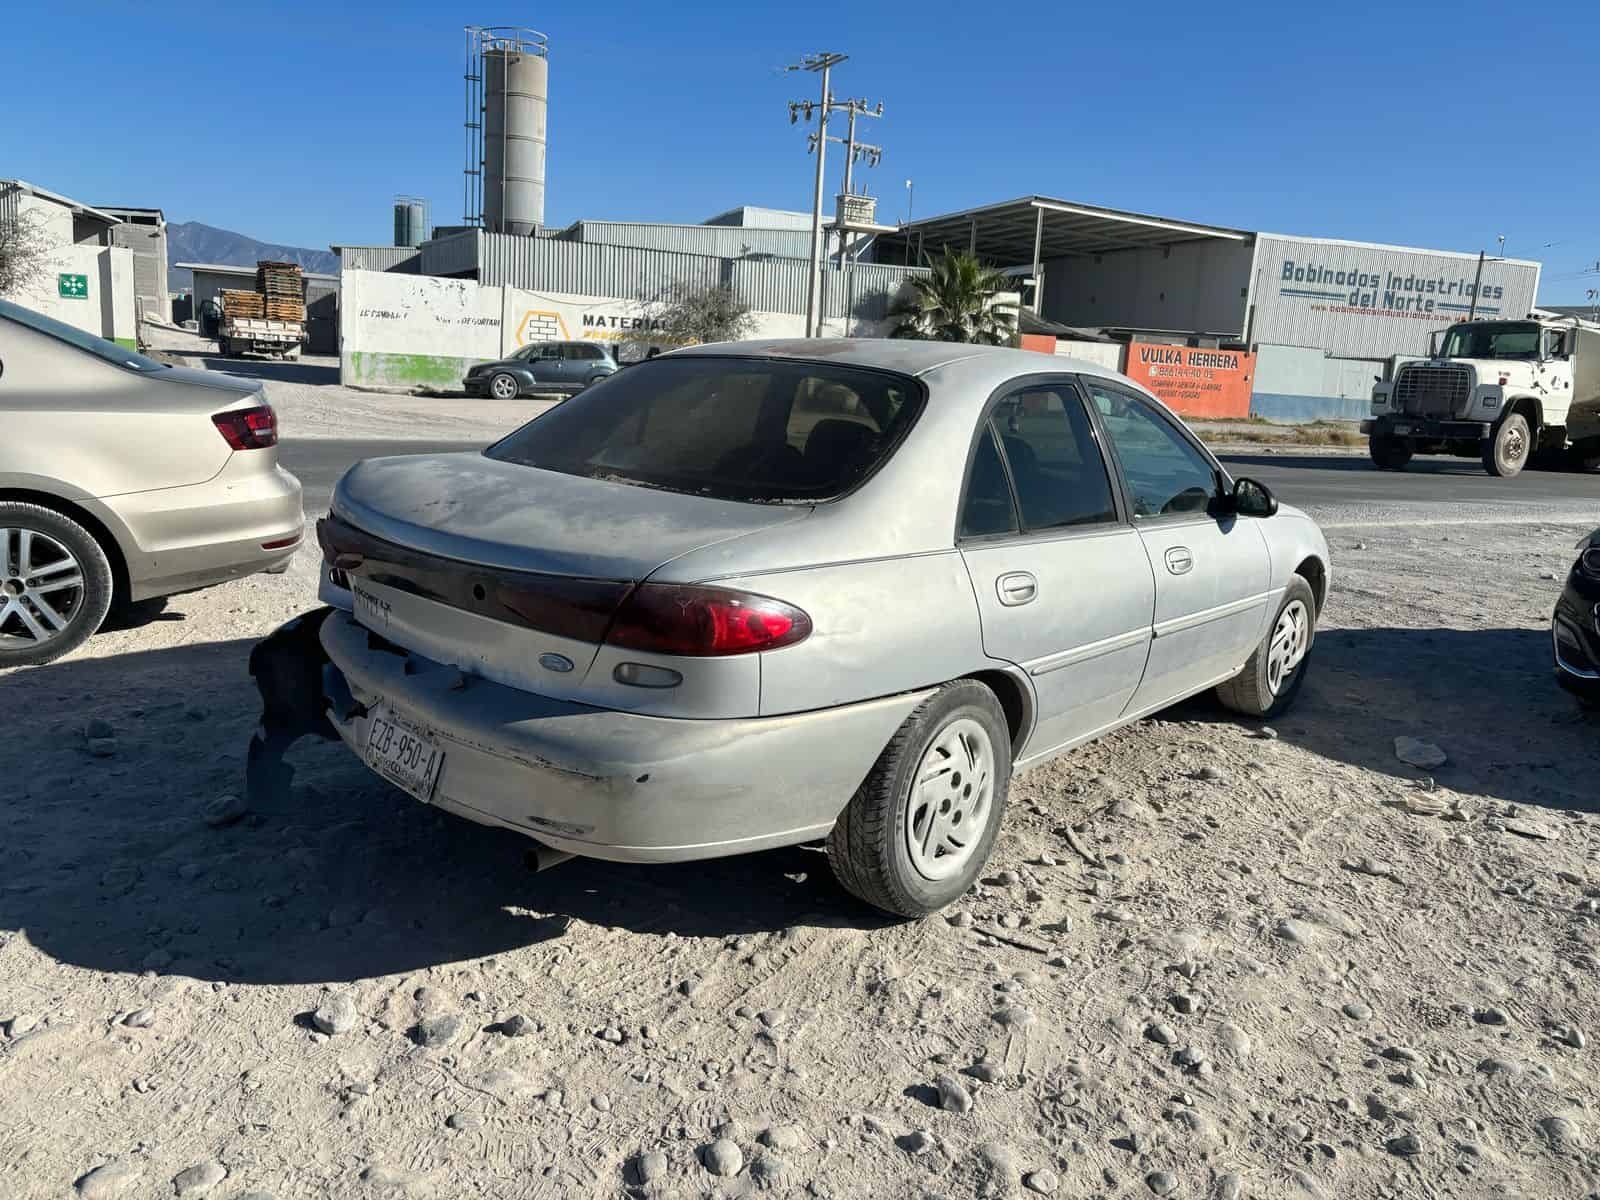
x,y
542,857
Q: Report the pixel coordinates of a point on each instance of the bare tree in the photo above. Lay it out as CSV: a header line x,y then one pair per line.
x,y
25,253
685,315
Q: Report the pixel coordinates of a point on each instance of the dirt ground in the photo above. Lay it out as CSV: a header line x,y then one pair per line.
x,y
1207,960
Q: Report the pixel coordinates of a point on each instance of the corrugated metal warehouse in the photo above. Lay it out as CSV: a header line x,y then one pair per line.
x,y
1320,316
144,232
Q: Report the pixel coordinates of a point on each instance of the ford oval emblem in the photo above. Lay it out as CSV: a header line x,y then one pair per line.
x,y
555,662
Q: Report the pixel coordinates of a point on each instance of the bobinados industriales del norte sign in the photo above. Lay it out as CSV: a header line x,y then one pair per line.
x,y
1354,299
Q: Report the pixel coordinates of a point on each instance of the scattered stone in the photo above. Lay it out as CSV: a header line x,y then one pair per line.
x,y
1418,753
108,1180
1489,1016
1291,930
1210,774
650,1166
1185,1002
103,747
1537,830
1401,1054
771,1017
722,1157
517,1025
1382,868
600,1103
199,1179
1560,1132
1407,1145
438,1031
986,1070
98,728
1189,1057
960,920
918,1142
1234,1040
1044,1182
1162,1183
952,1096
1007,878
224,810
689,987
1117,916
783,1137
1014,1016
158,959
335,1015
1266,734
1570,1035
19,1025
1356,1010
1161,1033
1500,1066
504,1083
141,1018
464,1121
611,1034
1230,1186
767,1168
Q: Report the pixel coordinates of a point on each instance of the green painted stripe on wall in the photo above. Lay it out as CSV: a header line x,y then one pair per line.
x,y
127,344
405,370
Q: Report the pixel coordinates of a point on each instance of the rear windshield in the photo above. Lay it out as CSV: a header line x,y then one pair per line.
x,y
97,346
731,428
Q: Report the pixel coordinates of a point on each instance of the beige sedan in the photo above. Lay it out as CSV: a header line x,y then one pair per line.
x,y
123,479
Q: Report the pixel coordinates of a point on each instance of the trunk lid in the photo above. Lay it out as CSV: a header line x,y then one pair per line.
x,y
513,573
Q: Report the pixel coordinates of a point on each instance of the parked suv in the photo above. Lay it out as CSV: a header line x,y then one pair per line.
x,y
542,367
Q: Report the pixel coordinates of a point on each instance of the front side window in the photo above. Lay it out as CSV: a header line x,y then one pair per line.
x,y
734,429
1056,469
1165,473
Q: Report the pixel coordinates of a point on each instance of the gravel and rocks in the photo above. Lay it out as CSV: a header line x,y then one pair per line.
x,y
282,955
722,1157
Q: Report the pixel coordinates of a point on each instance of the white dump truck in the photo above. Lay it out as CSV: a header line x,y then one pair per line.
x,y
1507,392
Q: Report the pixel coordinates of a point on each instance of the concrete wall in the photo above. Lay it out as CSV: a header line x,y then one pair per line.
x,y
107,308
411,331
148,243
1299,384
1357,300
1196,286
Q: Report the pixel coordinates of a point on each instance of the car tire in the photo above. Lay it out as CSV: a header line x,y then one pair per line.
x,y
1271,679
1388,453
1506,451
504,386
55,544
957,743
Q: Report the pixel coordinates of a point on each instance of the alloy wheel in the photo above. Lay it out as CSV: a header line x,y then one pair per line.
x,y
41,587
948,805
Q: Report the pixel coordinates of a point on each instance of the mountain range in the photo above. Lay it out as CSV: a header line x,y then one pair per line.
x,y
193,241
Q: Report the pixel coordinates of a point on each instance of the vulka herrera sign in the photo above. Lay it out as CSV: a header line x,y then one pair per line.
x,y
1192,381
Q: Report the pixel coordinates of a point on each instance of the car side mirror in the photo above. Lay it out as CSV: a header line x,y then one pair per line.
x,y
1253,499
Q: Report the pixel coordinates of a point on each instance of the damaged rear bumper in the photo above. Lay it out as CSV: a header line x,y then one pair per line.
x,y
599,782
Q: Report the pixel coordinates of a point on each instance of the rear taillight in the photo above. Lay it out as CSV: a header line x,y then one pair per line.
x,y
248,428
704,622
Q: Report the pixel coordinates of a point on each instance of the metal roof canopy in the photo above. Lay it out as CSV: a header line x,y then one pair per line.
x,y
241,272
1008,233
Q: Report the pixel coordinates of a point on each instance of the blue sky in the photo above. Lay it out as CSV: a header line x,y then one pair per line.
x,y
1438,125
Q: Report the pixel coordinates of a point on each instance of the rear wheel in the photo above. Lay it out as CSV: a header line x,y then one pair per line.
x,y
1506,451
55,584
1271,679
503,387
920,828
1389,453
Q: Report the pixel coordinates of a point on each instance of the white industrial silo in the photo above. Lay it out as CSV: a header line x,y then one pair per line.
x,y
514,68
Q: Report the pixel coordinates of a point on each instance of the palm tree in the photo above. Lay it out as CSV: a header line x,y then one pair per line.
x,y
955,302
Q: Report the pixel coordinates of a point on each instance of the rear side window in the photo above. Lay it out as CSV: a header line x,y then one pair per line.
x,y
582,353
730,428
1056,466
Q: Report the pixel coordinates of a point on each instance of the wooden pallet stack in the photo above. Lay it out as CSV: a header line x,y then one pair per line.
x,y
243,305
282,286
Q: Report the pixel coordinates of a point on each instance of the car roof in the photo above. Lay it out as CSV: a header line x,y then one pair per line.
x,y
906,356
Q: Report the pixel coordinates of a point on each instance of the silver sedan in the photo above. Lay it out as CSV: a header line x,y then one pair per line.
x,y
750,595
122,479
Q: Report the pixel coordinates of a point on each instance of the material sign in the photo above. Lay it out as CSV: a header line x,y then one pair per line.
x,y
73,287
1192,381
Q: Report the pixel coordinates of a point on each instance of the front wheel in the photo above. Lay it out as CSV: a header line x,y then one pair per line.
x,y
55,584
1506,451
1389,453
920,828
503,387
1272,678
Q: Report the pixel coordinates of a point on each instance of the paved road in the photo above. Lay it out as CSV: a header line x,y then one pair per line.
x,y
1312,481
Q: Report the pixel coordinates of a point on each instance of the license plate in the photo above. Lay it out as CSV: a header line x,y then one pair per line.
x,y
1402,429
404,753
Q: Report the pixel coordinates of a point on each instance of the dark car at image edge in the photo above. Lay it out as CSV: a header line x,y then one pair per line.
x,y
1575,625
542,367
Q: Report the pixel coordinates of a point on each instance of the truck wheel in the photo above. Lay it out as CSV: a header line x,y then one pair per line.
x,y
1389,453
1506,451
503,387
55,584
1271,679
920,828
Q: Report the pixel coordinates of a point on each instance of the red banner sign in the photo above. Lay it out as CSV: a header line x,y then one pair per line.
x,y
1193,381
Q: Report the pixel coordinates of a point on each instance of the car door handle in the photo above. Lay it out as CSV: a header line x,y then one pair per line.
x,y
1016,588
1179,560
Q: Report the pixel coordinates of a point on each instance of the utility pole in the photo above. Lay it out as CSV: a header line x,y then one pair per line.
x,y
821,64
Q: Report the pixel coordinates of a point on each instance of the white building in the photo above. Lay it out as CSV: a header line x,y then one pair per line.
x,y
88,281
